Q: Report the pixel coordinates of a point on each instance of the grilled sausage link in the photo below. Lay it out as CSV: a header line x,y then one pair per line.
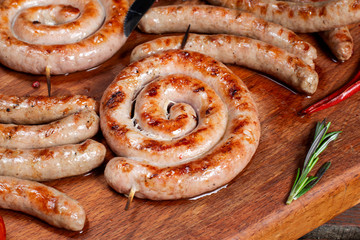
x,y
74,128
223,133
210,19
51,163
41,109
64,35
242,51
41,201
300,17
340,42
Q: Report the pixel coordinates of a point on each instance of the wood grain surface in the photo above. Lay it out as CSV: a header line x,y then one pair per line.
x,y
252,206
344,226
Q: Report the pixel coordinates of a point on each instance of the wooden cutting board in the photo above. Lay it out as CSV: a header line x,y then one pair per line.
x,y
252,206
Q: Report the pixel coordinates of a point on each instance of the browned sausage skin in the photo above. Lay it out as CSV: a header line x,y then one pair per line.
x,y
74,128
74,51
340,42
243,51
300,17
42,109
41,201
211,19
51,163
184,172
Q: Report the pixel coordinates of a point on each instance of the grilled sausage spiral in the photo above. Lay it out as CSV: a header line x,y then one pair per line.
x,y
182,123
64,35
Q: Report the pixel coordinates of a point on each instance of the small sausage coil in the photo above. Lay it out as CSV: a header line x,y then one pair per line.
x,y
41,201
181,122
74,128
243,51
300,17
211,19
41,109
51,163
65,36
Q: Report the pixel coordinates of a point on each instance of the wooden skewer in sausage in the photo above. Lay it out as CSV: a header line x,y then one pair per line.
x,y
48,79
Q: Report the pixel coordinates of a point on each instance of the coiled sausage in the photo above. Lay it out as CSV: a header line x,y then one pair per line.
x,y
224,126
32,37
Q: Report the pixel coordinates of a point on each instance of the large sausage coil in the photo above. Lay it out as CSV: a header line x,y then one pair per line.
x,y
181,122
64,35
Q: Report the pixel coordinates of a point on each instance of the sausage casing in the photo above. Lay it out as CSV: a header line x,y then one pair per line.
x,y
300,17
41,201
340,42
42,109
211,19
74,128
243,51
51,163
158,168
74,51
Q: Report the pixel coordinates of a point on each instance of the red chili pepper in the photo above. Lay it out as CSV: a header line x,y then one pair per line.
x,y
2,229
349,89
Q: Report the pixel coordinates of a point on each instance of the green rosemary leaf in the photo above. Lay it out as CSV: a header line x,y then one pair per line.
x,y
306,187
314,179
297,177
319,127
303,183
322,170
314,146
311,166
322,147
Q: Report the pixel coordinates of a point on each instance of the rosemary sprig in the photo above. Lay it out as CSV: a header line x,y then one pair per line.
x,y
303,183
